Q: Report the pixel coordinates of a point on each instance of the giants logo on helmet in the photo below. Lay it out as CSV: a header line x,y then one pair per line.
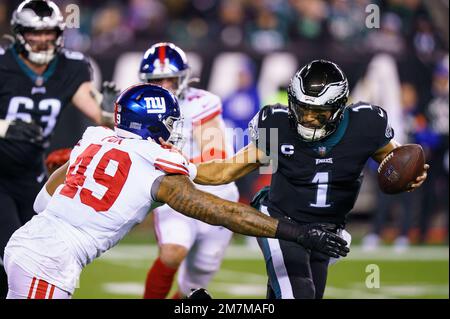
x,y
155,105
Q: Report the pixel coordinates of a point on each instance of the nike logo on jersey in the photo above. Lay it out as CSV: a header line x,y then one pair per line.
x,y
38,89
324,161
263,115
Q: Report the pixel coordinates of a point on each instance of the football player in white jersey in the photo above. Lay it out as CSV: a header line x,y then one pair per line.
x,y
190,245
111,182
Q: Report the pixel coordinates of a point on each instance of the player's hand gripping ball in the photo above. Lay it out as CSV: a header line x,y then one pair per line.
x,y
400,168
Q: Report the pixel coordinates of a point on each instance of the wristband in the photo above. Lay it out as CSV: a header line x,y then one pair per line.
x,y
42,200
192,171
289,231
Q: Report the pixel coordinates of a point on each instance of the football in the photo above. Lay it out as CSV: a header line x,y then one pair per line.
x,y
400,168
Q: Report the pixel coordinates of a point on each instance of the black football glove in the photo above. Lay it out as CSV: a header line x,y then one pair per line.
x,y
318,237
110,93
19,130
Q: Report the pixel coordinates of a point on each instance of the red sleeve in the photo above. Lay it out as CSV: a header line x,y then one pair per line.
x,y
207,115
171,167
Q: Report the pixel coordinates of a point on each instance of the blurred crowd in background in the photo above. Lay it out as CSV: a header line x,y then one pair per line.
x,y
402,66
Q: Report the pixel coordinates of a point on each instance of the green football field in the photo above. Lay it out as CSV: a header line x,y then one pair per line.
x,y
420,272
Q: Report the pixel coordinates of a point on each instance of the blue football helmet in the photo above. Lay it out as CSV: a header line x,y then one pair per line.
x,y
148,111
165,60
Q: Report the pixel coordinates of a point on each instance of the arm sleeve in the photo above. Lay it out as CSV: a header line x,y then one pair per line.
x,y
171,162
41,201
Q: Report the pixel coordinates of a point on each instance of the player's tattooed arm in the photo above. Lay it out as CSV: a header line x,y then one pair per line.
x,y
180,194
217,172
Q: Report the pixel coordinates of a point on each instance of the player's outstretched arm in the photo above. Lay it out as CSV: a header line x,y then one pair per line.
x,y
86,100
385,150
217,172
57,178
180,194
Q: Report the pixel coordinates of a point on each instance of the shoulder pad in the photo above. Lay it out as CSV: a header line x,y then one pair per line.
x,y
172,162
96,133
204,106
273,109
270,110
202,95
73,55
362,107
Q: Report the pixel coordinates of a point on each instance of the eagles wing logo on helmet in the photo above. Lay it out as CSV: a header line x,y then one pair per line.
x,y
336,91
37,15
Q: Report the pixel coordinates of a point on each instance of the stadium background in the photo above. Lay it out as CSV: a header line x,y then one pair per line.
x,y
246,51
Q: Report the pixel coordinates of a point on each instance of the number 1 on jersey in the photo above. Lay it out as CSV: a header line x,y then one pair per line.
x,y
321,179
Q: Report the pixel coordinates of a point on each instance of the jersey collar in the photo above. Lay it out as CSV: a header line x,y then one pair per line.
x,y
37,79
325,146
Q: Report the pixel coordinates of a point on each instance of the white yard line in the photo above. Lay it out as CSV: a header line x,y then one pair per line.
x,y
144,252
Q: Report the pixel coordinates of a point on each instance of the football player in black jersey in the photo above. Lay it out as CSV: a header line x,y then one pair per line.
x,y
318,146
38,79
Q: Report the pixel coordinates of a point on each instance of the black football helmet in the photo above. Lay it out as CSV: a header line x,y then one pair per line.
x,y
36,15
318,87
199,294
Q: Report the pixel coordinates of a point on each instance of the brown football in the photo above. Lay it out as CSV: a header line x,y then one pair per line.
x,y
400,168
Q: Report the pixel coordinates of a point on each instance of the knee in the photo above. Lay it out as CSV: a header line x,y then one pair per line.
x,y
305,290
172,255
205,263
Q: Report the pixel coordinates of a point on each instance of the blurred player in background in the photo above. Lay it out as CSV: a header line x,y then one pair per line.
x,y
319,149
38,79
111,182
190,245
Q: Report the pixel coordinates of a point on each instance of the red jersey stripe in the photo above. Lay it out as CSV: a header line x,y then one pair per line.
x,y
41,290
30,292
163,161
52,290
214,108
171,170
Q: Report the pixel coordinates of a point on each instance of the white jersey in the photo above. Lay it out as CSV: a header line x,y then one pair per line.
x,y
198,107
108,190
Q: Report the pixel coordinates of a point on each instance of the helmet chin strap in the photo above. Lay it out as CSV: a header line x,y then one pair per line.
x,y
41,57
183,84
311,134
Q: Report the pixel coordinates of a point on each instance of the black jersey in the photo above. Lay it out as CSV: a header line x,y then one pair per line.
x,y
26,96
318,181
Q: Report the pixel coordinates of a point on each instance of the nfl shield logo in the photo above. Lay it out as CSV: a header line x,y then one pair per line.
x,y
322,150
